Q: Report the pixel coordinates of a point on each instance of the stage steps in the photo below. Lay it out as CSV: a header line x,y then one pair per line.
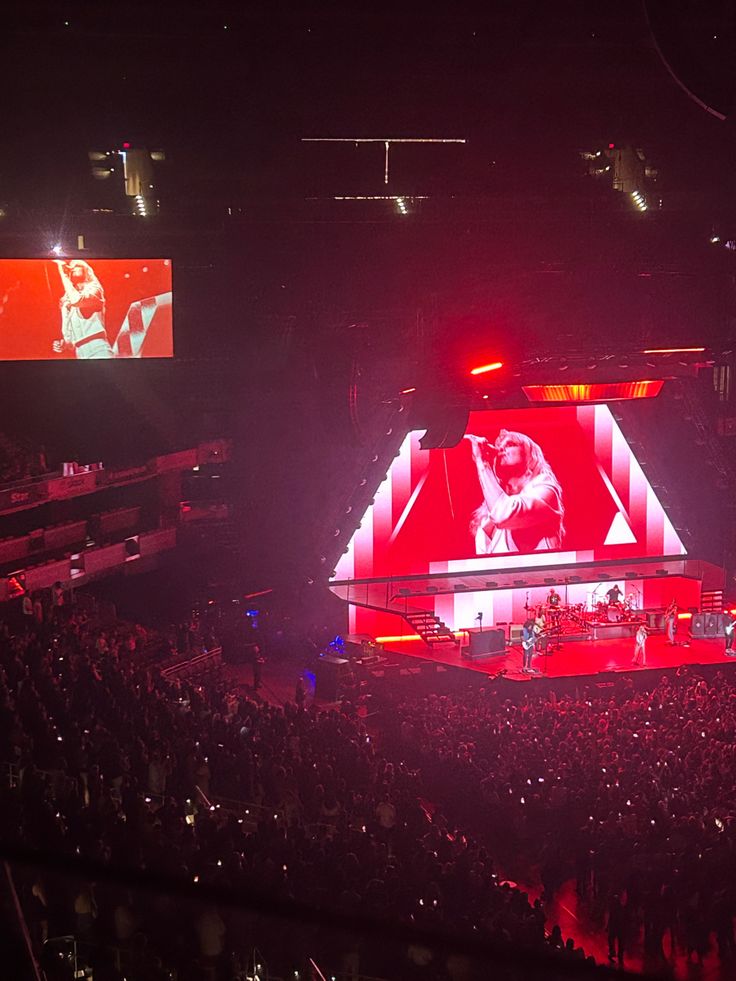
x,y
430,628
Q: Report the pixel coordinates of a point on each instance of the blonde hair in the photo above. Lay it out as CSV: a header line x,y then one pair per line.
x,y
536,466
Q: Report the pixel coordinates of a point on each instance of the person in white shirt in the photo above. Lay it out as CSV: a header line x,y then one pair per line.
x,y
522,509
82,312
640,647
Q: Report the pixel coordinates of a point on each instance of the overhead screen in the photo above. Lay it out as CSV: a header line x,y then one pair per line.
x,y
85,309
526,487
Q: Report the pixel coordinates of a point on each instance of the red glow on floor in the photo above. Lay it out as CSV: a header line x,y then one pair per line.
x,y
576,658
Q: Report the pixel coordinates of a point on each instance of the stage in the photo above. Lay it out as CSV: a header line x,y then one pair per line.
x,y
572,659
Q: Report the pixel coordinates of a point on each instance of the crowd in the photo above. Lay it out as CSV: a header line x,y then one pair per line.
x,y
20,460
113,763
629,793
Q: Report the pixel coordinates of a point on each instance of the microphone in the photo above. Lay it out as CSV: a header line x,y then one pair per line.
x,y
481,443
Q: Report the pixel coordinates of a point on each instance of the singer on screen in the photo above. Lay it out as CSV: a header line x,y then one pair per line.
x,y
82,312
522,509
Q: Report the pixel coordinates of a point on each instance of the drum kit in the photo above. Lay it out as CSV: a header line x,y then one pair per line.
x,y
550,618
624,611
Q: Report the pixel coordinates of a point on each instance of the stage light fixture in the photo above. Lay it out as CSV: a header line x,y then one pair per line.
x,y
673,350
595,392
491,585
485,368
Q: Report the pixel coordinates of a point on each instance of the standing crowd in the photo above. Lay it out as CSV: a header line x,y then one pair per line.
x,y
631,794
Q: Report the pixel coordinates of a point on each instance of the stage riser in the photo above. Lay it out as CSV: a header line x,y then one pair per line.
x,y
614,631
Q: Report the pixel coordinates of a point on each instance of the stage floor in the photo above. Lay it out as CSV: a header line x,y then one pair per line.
x,y
574,658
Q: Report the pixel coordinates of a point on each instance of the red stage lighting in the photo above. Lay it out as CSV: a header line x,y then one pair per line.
x,y
599,392
674,350
485,368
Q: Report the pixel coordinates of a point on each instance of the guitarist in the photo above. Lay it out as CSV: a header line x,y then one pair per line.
x,y
729,627
540,632
528,644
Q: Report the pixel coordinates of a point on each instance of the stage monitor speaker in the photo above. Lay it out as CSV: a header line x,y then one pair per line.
x,y
723,619
329,672
711,624
655,621
697,625
487,642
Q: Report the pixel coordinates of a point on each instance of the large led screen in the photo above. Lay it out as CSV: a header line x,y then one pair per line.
x,y
85,309
525,487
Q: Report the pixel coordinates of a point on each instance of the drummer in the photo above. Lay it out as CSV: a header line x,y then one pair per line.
x,y
554,607
613,595
553,599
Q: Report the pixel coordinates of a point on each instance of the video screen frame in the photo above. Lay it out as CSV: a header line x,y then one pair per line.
x,y
77,308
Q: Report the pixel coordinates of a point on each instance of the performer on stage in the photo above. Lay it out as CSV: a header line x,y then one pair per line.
x,y
528,643
82,312
522,509
640,648
670,622
729,627
541,637
553,599
613,595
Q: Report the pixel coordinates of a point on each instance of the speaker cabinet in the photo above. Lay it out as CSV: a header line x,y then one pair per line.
x,y
329,673
655,621
487,642
697,625
711,624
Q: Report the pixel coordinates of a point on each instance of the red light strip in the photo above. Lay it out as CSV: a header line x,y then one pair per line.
x,y
596,392
485,368
674,350
394,639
